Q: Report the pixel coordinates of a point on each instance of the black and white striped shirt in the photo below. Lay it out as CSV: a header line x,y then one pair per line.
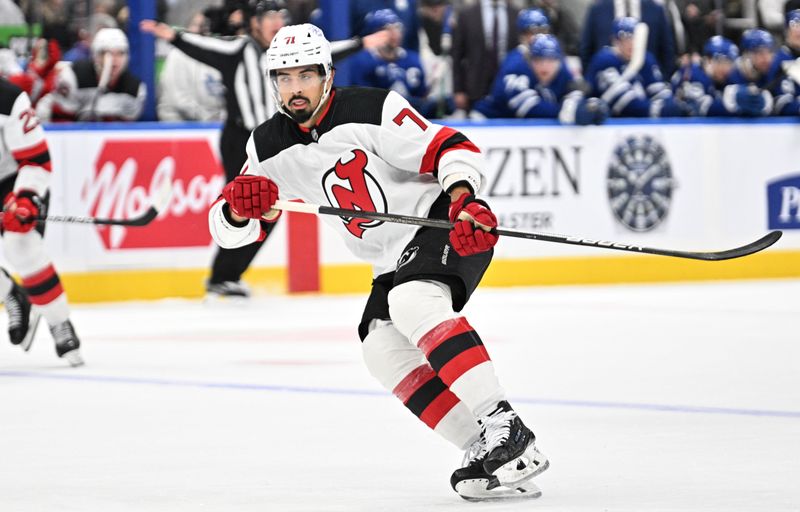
x,y
243,65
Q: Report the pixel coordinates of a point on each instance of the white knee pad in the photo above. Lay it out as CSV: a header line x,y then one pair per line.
x,y
25,251
416,307
389,355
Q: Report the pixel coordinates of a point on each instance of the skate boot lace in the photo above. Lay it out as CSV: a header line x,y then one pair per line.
x,y
497,428
476,451
14,309
62,332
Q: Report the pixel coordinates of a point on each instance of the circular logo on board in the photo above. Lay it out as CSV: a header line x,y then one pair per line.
x,y
640,183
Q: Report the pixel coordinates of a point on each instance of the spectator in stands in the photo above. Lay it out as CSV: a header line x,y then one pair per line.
x,y
644,94
435,45
391,66
535,82
483,34
787,94
10,13
562,24
82,49
597,30
406,10
701,85
755,76
96,89
300,10
190,90
700,19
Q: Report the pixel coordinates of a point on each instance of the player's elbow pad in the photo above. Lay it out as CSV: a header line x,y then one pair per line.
x,y
228,235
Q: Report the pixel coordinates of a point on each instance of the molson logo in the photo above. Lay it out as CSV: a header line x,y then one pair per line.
x,y
127,176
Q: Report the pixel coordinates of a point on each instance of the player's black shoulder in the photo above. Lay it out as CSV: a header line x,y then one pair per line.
x,y
127,83
8,96
274,135
85,73
362,105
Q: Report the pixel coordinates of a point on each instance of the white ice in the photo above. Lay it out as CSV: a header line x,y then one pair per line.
x,y
645,398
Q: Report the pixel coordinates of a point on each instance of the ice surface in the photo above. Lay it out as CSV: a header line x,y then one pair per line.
x,y
656,398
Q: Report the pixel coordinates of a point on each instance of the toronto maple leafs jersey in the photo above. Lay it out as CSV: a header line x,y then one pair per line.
x,y
23,148
693,85
787,92
517,92
370,151
634,98
403,75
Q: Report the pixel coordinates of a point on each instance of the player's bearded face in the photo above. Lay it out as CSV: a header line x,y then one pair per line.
x,y
301,91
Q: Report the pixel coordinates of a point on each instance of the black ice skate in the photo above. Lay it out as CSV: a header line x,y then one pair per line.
x,y
227,290
473,483
511,455
67,343
23,319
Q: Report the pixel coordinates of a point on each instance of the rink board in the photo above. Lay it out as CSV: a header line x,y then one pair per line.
x,y
683,185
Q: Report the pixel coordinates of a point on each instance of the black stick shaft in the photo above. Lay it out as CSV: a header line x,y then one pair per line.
x,y
737,252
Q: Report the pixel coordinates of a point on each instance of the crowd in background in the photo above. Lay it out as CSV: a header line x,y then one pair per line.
x,y
560,59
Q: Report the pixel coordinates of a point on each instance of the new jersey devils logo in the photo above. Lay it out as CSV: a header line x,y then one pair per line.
x,y
349,185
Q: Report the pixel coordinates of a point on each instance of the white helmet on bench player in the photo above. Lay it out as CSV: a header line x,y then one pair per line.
x,y
299,45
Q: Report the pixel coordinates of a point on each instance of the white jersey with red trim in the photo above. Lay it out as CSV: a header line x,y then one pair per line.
x,y
370,151
23,148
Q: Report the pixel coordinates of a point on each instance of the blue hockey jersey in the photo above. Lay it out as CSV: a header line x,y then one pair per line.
x,y
404,76
787,92
694,86
646,94
516,92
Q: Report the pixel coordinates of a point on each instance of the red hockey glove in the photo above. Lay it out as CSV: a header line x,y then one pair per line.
x,y
472,222
19,212
252,197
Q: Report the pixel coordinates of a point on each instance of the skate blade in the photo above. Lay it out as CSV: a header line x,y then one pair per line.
x,y
73,357
476,490
532,463
217,299
33,324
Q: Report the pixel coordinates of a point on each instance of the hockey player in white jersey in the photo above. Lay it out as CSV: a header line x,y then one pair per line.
x,y
368,149
24,182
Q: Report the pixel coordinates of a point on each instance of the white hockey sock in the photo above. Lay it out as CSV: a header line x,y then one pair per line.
x,y
6,284
402,369
39,278
423,311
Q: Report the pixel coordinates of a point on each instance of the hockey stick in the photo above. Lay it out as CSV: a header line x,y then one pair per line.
x,y
640,34
162,198
737,252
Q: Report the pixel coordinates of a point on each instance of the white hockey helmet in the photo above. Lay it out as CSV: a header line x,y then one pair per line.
x,y
299,45
109,39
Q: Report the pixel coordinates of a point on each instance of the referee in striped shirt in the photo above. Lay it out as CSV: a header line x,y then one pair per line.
x,y
242,63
